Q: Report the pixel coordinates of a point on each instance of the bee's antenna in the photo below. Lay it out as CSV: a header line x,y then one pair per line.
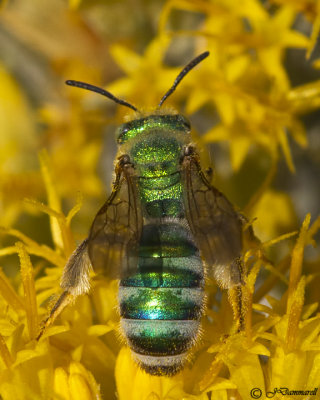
x,y
182,74
96,89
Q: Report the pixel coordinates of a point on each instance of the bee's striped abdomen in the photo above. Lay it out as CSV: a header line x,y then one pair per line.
x,y
161,305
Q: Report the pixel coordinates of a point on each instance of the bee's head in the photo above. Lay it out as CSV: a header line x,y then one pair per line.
x,y
168,122
171,122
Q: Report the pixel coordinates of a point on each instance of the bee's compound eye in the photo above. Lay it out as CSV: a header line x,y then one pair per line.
x,y
188,150
121,133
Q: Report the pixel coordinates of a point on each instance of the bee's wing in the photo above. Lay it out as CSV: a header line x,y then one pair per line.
x,y
111,246
116,229
215,224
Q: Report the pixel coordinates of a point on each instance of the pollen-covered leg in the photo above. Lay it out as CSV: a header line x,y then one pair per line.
x,y
74,282
235,298
65,299
235,292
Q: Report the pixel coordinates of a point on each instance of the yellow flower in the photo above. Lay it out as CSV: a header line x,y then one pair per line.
x,y
76,384
78,346
28,367
245,77
143,73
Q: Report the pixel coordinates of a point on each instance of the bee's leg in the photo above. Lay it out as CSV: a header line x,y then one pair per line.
x,y
236,296
65,299
74,282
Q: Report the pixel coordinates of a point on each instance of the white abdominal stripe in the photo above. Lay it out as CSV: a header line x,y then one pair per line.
x,y
160,365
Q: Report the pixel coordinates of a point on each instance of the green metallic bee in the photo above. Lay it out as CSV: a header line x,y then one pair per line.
x,y
163,226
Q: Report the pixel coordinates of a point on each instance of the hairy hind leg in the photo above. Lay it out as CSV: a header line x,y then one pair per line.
x,y
236,301
236,295
65,299
74,282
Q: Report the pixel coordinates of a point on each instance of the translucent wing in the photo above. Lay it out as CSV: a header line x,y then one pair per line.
x,y
116,229
112,244
215,224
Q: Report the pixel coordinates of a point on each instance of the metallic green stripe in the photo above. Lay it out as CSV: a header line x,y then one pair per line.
x,y
160,303
179,272
158,337
157,346
182,279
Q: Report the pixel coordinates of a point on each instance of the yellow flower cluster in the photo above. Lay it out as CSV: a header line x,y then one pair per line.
x,y
243,94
